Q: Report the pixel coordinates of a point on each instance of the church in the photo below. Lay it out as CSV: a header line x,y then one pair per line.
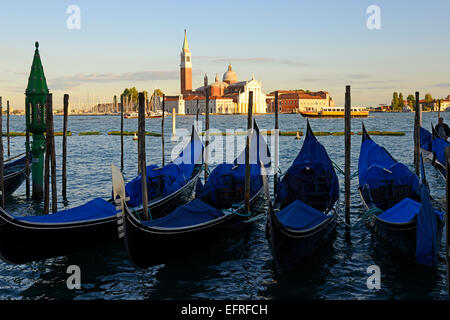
x,y
229,96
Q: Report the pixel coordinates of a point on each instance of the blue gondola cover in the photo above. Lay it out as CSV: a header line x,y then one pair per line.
x,y
377,167
404,211
190,214
313,158
299,216
164,181
171,176
94,209
425,139
438,146
229,177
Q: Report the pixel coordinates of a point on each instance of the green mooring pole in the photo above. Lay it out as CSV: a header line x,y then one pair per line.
x,y
36,96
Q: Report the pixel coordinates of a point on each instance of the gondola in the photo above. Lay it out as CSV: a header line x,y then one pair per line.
x,y
14,174
433,149
217,212
394,194
303,215
29,238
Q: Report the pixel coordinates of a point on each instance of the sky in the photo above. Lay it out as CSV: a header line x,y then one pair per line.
x,y
310,45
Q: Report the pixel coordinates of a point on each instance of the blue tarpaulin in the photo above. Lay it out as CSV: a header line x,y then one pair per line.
x,y
426,242
190,214
312,162
377,168
95,209
404,211
226,183
229,178
171,179
427,226
299,216
438,146
162,182
425,139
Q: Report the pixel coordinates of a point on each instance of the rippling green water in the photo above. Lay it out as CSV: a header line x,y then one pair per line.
x,y
242,270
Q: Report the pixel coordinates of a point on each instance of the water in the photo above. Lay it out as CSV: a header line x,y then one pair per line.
x,y
243,270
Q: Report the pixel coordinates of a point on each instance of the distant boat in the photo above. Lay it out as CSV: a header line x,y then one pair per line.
x,y
133,115
329,112
157,114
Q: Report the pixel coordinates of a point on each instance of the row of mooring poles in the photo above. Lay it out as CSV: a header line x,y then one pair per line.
x,y
50,156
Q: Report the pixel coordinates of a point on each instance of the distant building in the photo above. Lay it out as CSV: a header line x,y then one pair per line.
x,y
291,101
445,103
228,96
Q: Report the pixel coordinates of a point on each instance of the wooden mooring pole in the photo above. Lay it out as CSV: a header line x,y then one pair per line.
x,y
121,132
206,127
348,128
447,227
247,152
50,161
141,155
51,135
439,110
27,163
174,125
275,176
2,185
162,129
417,123
64,146
7,128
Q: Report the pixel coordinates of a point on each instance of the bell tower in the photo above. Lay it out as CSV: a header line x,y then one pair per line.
x,y
185,67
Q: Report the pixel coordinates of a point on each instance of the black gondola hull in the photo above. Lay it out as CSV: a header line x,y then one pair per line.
x,y
13,182
23,242
148,246
14,175
290,247
400,236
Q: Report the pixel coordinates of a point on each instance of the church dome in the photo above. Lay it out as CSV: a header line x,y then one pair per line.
x,y
230,76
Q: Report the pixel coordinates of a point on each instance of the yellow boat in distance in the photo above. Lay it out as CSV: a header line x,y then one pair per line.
x,y
332,112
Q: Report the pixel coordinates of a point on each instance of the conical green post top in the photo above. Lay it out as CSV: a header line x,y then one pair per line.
x,y
37,82
36,96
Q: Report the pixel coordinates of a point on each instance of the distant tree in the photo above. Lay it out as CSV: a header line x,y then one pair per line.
x,y
411,100
400,100
145,92
429,102
396,106
158,92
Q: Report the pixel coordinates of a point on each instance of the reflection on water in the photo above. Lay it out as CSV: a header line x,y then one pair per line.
x,y
239,268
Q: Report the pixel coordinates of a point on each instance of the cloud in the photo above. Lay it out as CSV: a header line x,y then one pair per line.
x,y
251,60
358,76
64,83
443,85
